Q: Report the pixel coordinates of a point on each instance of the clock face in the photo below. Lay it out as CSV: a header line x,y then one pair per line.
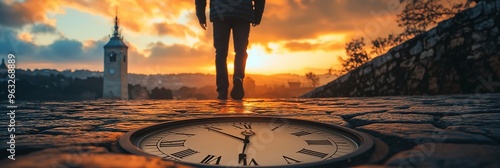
x,y
248,141
112,71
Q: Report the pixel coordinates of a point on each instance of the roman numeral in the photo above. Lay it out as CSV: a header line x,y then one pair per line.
x,y
210,158
176,143
312,153
184,153
246,163
301,133
246,126
277,127
290,160
318,142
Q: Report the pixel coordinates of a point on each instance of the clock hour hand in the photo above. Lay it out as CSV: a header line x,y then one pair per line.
x,y
242,156
213,129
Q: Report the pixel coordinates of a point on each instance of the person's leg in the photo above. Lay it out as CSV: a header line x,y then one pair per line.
x,y
222,32
241,31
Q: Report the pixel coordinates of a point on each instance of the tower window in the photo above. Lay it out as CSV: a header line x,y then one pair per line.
x,y
124,58
112,57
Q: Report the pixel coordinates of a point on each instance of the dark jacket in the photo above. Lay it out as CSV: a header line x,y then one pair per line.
x,y
231,9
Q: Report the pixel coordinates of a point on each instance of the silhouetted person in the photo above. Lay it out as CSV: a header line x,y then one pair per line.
x,y
227,15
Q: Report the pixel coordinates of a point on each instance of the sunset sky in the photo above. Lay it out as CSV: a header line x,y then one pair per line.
x,y
295,36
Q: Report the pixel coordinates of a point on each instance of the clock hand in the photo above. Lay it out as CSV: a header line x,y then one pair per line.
x,y
247,134
225,133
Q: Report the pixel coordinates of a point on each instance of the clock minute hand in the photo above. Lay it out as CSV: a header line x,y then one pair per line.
x,y
242,156
225,133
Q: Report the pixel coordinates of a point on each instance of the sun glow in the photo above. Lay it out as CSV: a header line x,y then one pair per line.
x,y
257,58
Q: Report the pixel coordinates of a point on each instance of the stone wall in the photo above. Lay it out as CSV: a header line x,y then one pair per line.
x,y
459,56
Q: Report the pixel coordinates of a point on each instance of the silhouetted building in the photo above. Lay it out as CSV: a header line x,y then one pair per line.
x,y
115,85
3,67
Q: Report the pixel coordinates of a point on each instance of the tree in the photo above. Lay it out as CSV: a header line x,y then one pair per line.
x,y
312,78
137,92
161,93
416,17
356,55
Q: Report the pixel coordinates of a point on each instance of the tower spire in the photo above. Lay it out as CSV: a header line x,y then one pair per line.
x,y
116,32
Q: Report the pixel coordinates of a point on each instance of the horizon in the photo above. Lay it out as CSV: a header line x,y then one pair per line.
x,y
71,34
180,73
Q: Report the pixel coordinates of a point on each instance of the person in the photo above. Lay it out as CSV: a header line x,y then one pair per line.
x,y
227,15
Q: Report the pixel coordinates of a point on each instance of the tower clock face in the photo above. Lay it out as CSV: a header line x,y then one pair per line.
x,y
112,71
248,141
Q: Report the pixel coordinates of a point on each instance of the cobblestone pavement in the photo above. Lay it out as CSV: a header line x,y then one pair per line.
x,y
421,131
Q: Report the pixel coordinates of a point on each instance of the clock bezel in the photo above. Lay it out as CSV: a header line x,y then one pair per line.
x,y
128,142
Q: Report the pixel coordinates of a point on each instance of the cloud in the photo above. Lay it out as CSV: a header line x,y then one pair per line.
x,y
153,17
16,14
303,19
178,54
177,30
299,46
43,29
61,50
163,58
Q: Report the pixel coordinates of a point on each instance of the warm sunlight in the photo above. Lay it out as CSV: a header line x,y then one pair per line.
x,y
257,58
171,38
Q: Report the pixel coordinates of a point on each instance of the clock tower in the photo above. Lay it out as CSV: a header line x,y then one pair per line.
x,y
115,85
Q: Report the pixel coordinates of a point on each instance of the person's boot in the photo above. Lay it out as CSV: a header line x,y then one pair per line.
x,y
222,96
237,92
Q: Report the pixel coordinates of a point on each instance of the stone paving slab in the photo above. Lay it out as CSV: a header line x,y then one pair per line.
x,y
447,155
84,134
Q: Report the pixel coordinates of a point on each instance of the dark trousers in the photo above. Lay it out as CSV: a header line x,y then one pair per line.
x,y
222,31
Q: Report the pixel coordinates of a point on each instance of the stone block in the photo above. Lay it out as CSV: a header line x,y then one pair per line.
x,y
485,25
494,32
475,55
397,55
490,48
489,8
408,64
475,47
398,48
380,81
433,85
459,41
427,54
388,57
345,77
380,70
439,52
460,17
419,72
432,154
417,48
431,41
377,61
390,78
479,36
498,6
432,32
476,11
392,65
367,70
444,25
463,31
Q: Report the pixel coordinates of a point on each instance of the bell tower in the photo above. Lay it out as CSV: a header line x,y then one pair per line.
x,y
115,85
